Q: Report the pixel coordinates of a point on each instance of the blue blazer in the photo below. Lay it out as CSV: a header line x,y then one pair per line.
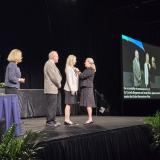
x,y
12,75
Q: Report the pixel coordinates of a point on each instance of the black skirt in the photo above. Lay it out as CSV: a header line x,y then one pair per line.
x,y
11,90
70,99
87,97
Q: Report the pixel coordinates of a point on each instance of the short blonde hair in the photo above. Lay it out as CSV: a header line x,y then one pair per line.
x,y
91,61
70,60
15,56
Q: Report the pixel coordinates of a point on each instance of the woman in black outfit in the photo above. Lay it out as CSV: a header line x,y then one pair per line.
x,y
153,71
86,87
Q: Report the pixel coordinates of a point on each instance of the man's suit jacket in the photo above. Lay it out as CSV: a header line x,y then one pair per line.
x,y
52,78
136,73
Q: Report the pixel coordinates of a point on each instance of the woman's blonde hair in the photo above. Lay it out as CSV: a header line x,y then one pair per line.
x,y
91,61
15,56
70,61
153,63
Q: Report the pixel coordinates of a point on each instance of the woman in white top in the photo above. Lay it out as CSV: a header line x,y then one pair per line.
x,y
71,86
147,68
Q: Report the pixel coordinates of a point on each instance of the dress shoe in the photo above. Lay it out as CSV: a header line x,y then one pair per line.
x,y
86,123
68,123
53,124
56,124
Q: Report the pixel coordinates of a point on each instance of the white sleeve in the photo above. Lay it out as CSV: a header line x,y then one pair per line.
x,y
69,78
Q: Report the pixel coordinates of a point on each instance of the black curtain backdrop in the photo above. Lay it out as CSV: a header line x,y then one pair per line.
x,y
81,27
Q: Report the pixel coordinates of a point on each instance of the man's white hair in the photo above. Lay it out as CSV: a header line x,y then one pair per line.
x,y
51,54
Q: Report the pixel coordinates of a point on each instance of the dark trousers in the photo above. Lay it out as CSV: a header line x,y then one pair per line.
x,y
51,107
11,90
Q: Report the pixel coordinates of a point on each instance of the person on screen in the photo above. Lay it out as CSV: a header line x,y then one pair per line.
x,y
52,84
153,70
70,87
147,68
86,88
13,73
136,70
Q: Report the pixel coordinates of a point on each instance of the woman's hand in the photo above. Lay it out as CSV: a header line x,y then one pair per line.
x,y
73,93
77,71
21,80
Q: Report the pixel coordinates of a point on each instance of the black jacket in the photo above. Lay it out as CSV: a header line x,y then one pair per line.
x,y
86,78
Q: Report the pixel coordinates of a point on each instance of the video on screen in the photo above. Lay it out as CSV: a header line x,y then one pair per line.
x,y
141,69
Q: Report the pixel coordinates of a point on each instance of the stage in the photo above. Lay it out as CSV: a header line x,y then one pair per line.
x,y
108,138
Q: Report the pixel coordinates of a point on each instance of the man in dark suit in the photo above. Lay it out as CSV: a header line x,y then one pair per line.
x,y
136,70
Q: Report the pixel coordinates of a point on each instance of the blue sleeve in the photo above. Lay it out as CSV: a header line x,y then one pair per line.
x,y
12,75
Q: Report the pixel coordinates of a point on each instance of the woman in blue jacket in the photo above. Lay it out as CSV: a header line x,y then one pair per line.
x,y
13,73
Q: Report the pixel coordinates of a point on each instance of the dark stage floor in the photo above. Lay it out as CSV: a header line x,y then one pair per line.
x,y
108,138
101,123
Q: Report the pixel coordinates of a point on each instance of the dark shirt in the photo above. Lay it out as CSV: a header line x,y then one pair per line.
x,y
86,78
12,74
152,74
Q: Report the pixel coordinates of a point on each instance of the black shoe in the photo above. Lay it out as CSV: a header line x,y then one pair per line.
x,y
67,123
53,124
56,124
50,124
86,123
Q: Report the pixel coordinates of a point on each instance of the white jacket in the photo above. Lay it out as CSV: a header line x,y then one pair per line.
x,y
146,73
71,80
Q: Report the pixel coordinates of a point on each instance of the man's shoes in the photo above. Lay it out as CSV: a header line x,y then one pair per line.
x,y
53,124
57,124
